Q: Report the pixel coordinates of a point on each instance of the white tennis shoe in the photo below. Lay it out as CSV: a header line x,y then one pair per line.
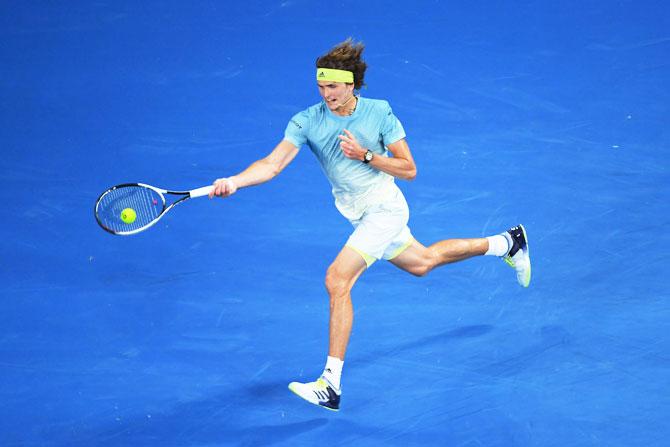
x,y
518,256
319,393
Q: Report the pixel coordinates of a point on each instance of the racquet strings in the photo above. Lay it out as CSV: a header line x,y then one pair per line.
x,y
147,203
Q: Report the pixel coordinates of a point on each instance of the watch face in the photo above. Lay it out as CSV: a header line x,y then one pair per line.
x,y
368,156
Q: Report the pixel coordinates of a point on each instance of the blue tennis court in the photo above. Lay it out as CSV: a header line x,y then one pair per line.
x,y
554,115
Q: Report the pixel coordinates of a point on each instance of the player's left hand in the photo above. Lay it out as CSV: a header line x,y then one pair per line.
x,y
351,147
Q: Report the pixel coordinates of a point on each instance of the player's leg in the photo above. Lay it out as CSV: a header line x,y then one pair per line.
x,y
511,246
340,279
418,259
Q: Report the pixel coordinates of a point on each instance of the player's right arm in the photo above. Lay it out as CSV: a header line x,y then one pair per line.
x,y
258,172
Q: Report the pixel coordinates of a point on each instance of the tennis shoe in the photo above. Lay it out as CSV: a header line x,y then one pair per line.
x,y
518,256
320,393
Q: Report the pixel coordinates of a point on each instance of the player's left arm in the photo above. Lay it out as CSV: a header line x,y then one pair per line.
x,y
401,165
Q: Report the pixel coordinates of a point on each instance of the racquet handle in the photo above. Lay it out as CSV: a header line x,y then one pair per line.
x,y
205,190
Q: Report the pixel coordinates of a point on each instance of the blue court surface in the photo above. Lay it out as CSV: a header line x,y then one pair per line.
x,y
550,114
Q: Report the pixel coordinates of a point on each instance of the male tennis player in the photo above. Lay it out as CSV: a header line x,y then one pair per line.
x,y
352,138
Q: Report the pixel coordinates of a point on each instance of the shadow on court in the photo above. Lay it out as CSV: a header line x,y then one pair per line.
x,y
216,420
463,332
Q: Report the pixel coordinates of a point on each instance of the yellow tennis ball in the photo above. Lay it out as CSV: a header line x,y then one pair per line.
x,y
128,215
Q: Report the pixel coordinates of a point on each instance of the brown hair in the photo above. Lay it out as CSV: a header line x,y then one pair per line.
x,y
346,56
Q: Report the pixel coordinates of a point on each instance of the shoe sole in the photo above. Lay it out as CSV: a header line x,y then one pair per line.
x,y
525,236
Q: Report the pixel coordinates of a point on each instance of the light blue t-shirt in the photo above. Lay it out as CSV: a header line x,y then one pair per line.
x,y
373,124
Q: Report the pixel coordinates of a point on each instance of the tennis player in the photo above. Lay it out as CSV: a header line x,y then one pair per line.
x,y
362,149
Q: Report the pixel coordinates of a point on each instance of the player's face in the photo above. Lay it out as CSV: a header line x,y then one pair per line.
x,y
335,93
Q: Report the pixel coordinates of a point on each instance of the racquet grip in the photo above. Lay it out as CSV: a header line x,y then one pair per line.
x,y
205,190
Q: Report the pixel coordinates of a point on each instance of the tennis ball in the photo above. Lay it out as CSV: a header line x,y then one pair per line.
x,y
128,215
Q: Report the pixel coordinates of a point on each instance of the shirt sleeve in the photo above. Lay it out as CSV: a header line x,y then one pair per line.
x,y
392,129
296,130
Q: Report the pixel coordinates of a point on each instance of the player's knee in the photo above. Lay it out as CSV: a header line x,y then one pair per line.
x,y
428,262
420,270
336,284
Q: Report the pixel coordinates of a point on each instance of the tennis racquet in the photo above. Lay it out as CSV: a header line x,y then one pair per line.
x,y
133,207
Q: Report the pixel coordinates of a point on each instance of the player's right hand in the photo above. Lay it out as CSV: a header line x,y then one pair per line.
x,y
223,187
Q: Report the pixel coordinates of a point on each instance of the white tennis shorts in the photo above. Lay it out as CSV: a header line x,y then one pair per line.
x,y
381,232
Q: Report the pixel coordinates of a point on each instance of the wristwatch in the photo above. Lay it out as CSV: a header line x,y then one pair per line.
x,y
367,158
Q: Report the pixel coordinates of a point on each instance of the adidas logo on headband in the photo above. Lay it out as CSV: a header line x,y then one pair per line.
x,y
332,74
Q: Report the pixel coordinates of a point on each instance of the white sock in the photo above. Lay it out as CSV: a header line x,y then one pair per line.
x,y
333,371
499,245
